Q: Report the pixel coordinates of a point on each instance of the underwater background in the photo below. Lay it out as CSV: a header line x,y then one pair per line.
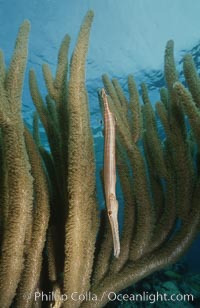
x,y
127,37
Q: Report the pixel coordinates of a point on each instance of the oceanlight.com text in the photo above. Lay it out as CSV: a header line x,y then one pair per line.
x,y
112,296
151,297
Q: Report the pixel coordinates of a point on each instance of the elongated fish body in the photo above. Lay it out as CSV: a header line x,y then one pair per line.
x,y
110,173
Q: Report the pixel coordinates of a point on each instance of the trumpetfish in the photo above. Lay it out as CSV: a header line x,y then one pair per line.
x,y
110,172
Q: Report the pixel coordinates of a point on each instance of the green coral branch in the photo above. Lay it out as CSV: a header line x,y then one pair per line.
x,y
82,218
121,96
57,87
152,137
103,251
19,179
135,110
167,254
192,78
33,261
15,73
50,195
190,108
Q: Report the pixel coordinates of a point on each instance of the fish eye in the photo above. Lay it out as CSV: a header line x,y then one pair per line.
x,y
109,213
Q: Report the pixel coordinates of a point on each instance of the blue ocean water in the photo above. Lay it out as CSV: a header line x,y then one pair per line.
x,y
127,37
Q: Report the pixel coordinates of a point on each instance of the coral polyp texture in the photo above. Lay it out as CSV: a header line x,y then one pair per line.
x,y
52,236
